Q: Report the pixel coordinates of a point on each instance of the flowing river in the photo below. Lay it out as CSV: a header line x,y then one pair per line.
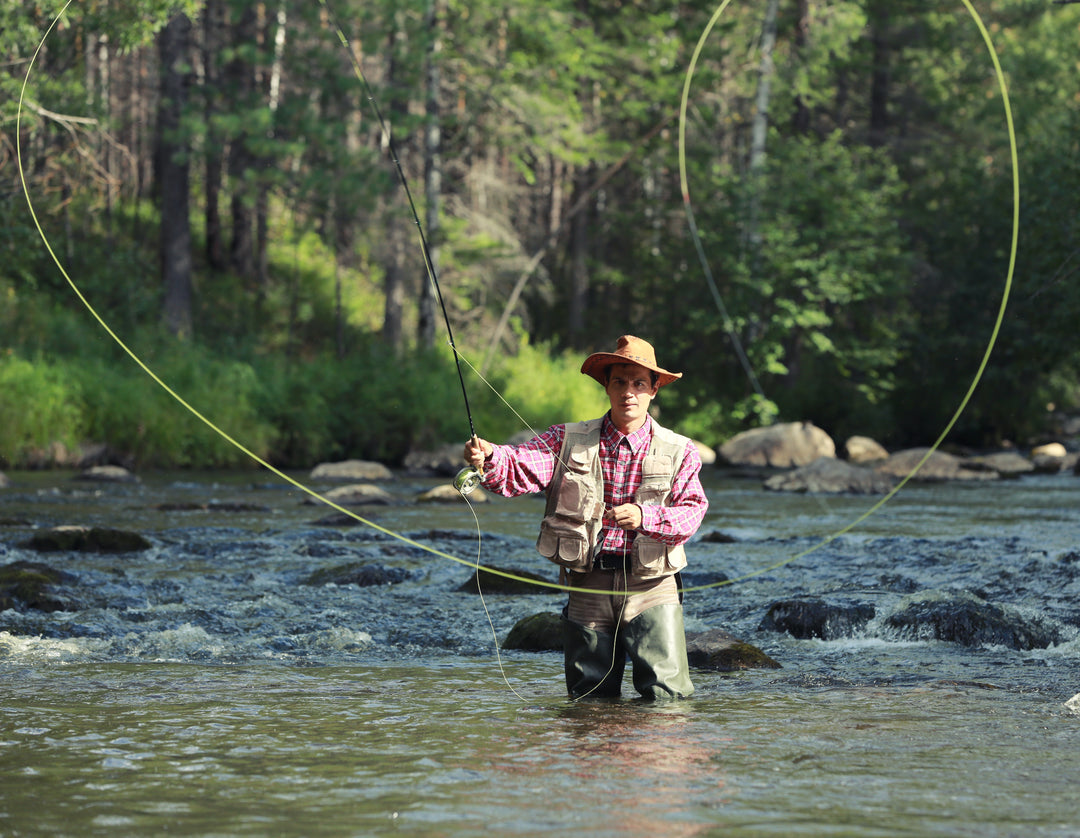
x,y
207,687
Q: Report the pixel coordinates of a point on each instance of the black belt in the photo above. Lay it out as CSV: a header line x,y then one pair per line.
x,y
611,561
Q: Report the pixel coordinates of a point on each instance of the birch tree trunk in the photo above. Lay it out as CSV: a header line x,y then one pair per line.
x,y
759,132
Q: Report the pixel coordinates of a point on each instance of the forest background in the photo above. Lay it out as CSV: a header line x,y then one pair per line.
x,y
213,178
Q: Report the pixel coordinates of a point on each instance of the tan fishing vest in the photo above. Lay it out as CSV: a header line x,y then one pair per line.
x,y
575,501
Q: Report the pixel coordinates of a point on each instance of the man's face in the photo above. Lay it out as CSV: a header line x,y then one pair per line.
x,y
630,391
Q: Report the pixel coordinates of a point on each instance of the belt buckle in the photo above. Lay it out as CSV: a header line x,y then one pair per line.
x,y
610,561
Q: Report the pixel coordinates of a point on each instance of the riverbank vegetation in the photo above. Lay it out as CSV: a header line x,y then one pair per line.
x,y
212,178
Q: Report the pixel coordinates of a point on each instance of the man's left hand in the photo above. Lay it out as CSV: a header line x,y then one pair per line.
x,y
626,517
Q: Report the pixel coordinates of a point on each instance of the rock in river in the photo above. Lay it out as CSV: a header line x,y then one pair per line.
x,y
827,474
780,446
714,649
359,494
34,585
813,617
351,470
970,621
86,540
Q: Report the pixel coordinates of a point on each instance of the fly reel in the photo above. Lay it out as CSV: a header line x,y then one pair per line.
x,y
467,479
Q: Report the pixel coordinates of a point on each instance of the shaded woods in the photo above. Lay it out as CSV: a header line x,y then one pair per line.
x,y
213,178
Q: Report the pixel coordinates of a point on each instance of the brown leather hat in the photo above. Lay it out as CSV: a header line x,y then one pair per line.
x,y
631,350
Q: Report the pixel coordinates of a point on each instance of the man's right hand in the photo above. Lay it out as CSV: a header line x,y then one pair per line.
x,y
477,451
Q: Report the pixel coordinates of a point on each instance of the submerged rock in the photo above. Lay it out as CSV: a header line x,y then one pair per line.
x,y
807,618
541,632
497,583
827,474
713,649
719,651
87,540
970,621
33,585
360,574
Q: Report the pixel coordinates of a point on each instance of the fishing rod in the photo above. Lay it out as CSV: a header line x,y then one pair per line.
x,y
468,478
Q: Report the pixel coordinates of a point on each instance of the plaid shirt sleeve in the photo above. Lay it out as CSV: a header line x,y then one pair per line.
x,y
676,523
522,469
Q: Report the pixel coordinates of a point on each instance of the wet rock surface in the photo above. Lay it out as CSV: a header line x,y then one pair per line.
x,y
812,617
87,540
828,474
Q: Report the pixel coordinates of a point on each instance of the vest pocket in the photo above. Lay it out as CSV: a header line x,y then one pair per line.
x,y
650,557
564,542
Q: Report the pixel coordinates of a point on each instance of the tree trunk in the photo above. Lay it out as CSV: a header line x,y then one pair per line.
x,y
262,203
432,179
800,121
241,78
394,252
759,132
879,80
213,25
579,262
174,45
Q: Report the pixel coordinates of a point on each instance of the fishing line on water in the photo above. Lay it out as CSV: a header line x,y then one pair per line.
x,y
1014,159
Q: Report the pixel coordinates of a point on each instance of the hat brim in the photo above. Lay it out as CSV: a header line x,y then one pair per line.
x,y
597,363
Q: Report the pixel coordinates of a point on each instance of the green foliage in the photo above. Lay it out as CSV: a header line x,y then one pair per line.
x,y
539,387
136,416
866,306
40,406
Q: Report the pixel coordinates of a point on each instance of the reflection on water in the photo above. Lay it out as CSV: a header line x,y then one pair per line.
x,y
204,688
442,749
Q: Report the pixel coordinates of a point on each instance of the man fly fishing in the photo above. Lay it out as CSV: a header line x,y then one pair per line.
x,y
623,495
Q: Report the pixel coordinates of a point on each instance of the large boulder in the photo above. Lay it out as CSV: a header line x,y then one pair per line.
x,y
828,474
817,618
5,482
444,461
939,466
970,621
351,470
863,449
1005,463
719,651
779,446
1049,458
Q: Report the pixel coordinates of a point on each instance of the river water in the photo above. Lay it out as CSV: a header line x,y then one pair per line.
x,y
202,687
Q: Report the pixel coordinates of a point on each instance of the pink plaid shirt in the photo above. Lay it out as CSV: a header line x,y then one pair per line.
x,y
527,468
